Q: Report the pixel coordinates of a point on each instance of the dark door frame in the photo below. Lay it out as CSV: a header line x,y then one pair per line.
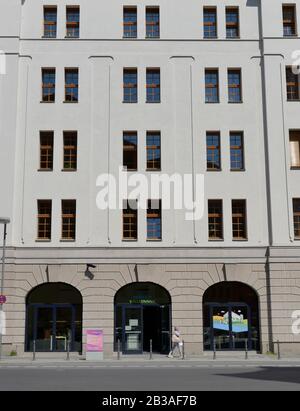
x,y
229,305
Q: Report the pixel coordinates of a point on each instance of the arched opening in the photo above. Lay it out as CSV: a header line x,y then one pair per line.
x,y
142,314
54,318
231,317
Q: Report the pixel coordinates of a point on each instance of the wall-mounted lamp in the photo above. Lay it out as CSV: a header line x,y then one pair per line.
x,y
88,273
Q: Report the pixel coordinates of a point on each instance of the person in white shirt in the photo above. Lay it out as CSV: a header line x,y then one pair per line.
x,y
176,343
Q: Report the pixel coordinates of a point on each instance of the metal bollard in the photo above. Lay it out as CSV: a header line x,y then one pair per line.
x,y
68,350
33,352
151,353
278,350
246,349
183,350
119,354
215,353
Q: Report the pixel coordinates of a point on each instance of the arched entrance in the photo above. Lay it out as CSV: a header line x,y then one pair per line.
x,y
142,313
54,318
231,317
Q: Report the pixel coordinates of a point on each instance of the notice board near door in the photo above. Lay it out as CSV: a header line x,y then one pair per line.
x,y
94,344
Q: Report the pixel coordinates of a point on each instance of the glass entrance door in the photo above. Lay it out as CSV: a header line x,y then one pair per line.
x,y
132,330
64,328
44,332
230,327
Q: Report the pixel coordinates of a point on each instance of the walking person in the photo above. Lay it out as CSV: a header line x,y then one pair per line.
x,y
176,343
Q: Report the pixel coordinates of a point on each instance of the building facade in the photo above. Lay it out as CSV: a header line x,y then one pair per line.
x,y
205,88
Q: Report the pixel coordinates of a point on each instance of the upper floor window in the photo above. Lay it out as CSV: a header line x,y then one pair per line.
x,y
70,151
154,231
68,230
239,220
153,151
130,157
234,86
44,219
292,84
215,220
152,22
236,151
210,22
213,151
73,21
50,22
71,85
46,150
130,86
296,213
153,85
211,86
48,85
295,148
130,22
289,20
232,23
130,220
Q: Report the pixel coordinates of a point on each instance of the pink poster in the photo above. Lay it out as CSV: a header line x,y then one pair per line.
x,y
94,340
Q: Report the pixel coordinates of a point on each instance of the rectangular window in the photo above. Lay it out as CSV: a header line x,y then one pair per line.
x,y
130,150
289,20
130,86
154,231
239,220
130,22
215,220
130,220
73,22
46,150
71,85
211,86
210,22
232,23
50,22
152,22
295,148
68,231
48,85
296,211
213,151
292,85
153,85
44,219
234,86
70,151
153,150
236,151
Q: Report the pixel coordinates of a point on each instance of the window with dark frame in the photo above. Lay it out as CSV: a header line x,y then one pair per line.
x,y
130,220
46,150
153,150
292,85
215,220
236,151
152,22
234,86
73,21
70,151
210,22
295,148
44,219
296,214
50,21
153,85
68,231
289,20
130,86
130,150
48,85
130,22
213,151
232,23
71,85
239,220
211,86
154,230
